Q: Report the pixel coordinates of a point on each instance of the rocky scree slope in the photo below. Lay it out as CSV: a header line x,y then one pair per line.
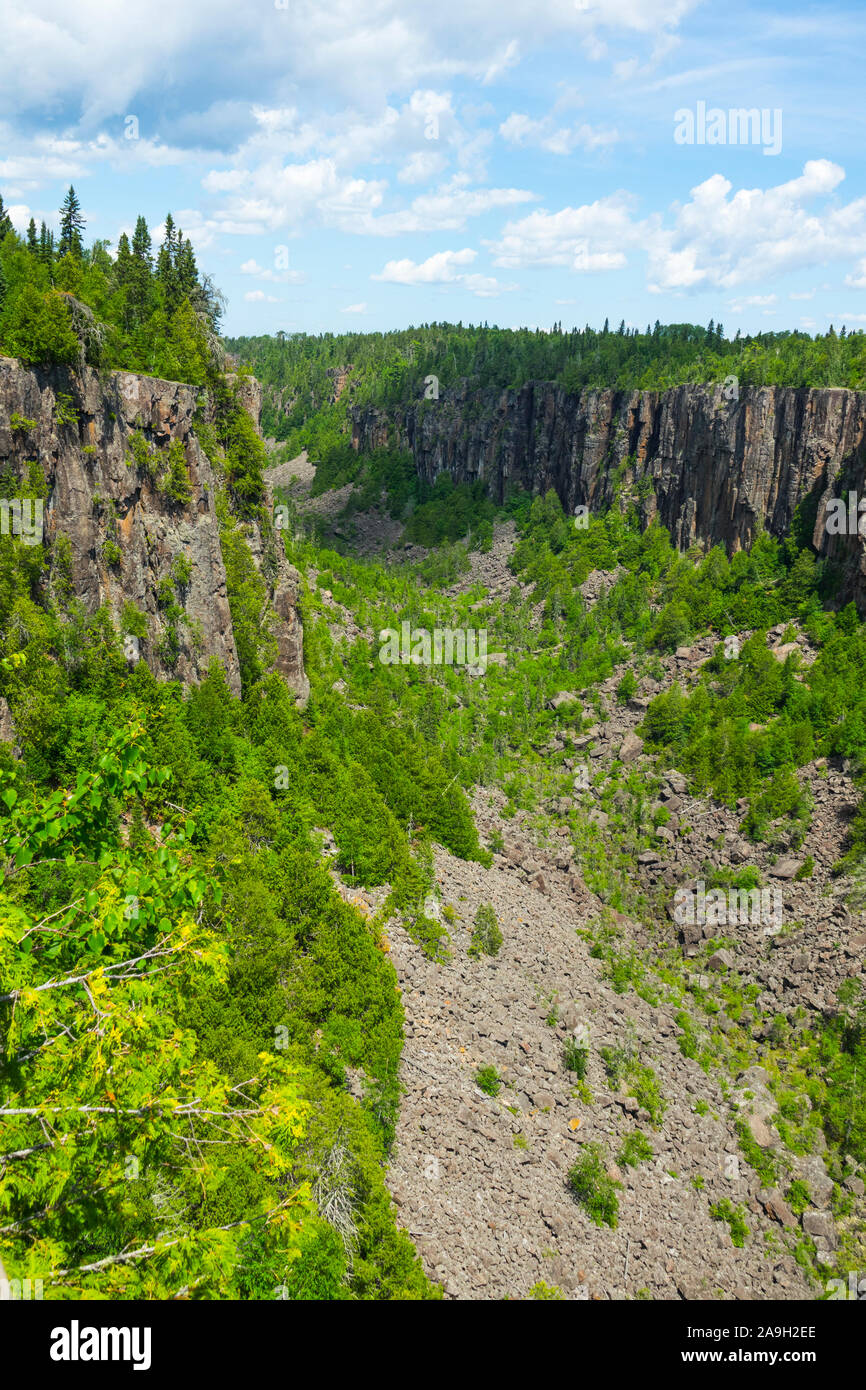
x,y
481,1181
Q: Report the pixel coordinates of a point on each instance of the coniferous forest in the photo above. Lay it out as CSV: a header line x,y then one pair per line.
x,y
432,757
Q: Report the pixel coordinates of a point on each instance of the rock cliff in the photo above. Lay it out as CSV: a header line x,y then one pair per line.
x,y
713,469
104,443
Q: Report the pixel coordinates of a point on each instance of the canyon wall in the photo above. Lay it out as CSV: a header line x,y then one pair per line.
x,y
712,469
123,530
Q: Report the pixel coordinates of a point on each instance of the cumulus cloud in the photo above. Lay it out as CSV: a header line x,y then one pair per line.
x,y
71,59
443,268
275,196
718,238
545,134
585,238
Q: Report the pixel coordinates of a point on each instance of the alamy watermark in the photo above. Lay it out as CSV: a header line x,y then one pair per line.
x,y
445,646
727,908
854,1289
737,126
846,520
17,1289
26,518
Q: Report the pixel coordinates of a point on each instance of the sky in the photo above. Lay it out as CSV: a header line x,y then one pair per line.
x,y
372,164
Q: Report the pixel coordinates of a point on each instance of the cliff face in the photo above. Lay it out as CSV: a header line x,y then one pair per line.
x,y
125,531
712,469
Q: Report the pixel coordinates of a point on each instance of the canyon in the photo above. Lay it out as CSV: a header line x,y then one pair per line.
x,y
715,464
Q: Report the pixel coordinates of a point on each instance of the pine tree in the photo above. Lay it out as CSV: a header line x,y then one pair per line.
x,y
32,240
139,279
71,226
123,259
141,243
187,271
46,244
5,221
166,264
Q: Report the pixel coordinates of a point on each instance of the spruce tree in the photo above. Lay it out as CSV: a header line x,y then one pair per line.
x,y
187,271
141,243
71,226
32,240
166,265
5,221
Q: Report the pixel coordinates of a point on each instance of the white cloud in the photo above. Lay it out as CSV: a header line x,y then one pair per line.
x,y
276,277
43,158
436,270
19,216
857,281
422,166
719,238
546,135
585,238
354,309
259,297
355,51
275,196
756,301
443,268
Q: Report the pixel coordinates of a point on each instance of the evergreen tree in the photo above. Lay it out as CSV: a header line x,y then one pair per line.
x,y
123,275
71,226
187,271
46,244
141,243
32,240
140,299
166,265
5,221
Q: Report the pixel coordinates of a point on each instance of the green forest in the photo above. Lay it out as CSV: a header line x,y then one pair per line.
x,y
140,311
304,410
186,1001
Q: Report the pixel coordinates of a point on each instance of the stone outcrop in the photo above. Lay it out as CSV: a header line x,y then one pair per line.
x,y
123,532
712,469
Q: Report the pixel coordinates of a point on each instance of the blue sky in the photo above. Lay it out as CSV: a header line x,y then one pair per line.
x,y
374,163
